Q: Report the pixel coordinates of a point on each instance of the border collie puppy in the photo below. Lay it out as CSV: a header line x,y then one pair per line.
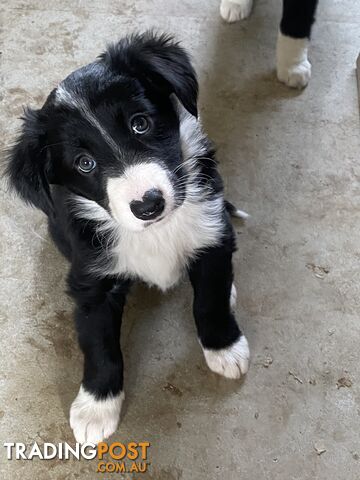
x,y
293,66
117,160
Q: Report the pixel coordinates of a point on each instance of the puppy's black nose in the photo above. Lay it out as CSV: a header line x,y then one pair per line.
x,y
151,205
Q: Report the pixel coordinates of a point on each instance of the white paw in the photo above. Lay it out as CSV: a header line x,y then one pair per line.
x,y
94,420
234,10
231,362
233,297
293,66
296,76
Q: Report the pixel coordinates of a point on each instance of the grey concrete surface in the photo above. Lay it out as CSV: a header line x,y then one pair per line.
x,y
289,158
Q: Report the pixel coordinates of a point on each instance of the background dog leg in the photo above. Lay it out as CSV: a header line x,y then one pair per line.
x,y
293,66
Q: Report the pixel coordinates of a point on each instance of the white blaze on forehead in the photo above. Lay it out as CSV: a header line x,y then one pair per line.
x,y
76,101
131,185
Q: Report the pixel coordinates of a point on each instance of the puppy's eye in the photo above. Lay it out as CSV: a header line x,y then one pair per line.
x,y
85,164
139,124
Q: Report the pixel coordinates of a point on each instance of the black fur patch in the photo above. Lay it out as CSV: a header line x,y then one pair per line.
x,y
298,17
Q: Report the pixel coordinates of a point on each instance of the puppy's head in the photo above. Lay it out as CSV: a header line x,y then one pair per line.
x,y
110,133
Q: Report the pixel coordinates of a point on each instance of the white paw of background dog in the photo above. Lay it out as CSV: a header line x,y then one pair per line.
x,y
293,66
230,362
94,420
234,10
296,76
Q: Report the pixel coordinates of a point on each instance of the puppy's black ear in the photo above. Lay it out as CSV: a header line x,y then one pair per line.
x,y
28,168
159,62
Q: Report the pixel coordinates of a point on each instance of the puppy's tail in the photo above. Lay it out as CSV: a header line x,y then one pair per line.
x,y
235,212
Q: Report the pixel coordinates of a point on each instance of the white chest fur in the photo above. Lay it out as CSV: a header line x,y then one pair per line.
x,y
159,254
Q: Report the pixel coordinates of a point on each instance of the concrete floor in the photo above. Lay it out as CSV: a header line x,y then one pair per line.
x,y
290,159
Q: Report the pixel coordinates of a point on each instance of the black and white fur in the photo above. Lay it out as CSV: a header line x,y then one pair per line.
x,y
293,66
94,121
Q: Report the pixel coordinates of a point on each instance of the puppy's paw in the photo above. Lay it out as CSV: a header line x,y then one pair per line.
x,y
293,66
94,420
231,362
234,10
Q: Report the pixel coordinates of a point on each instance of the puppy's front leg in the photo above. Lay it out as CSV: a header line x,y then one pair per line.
x,y
95,412
225,347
